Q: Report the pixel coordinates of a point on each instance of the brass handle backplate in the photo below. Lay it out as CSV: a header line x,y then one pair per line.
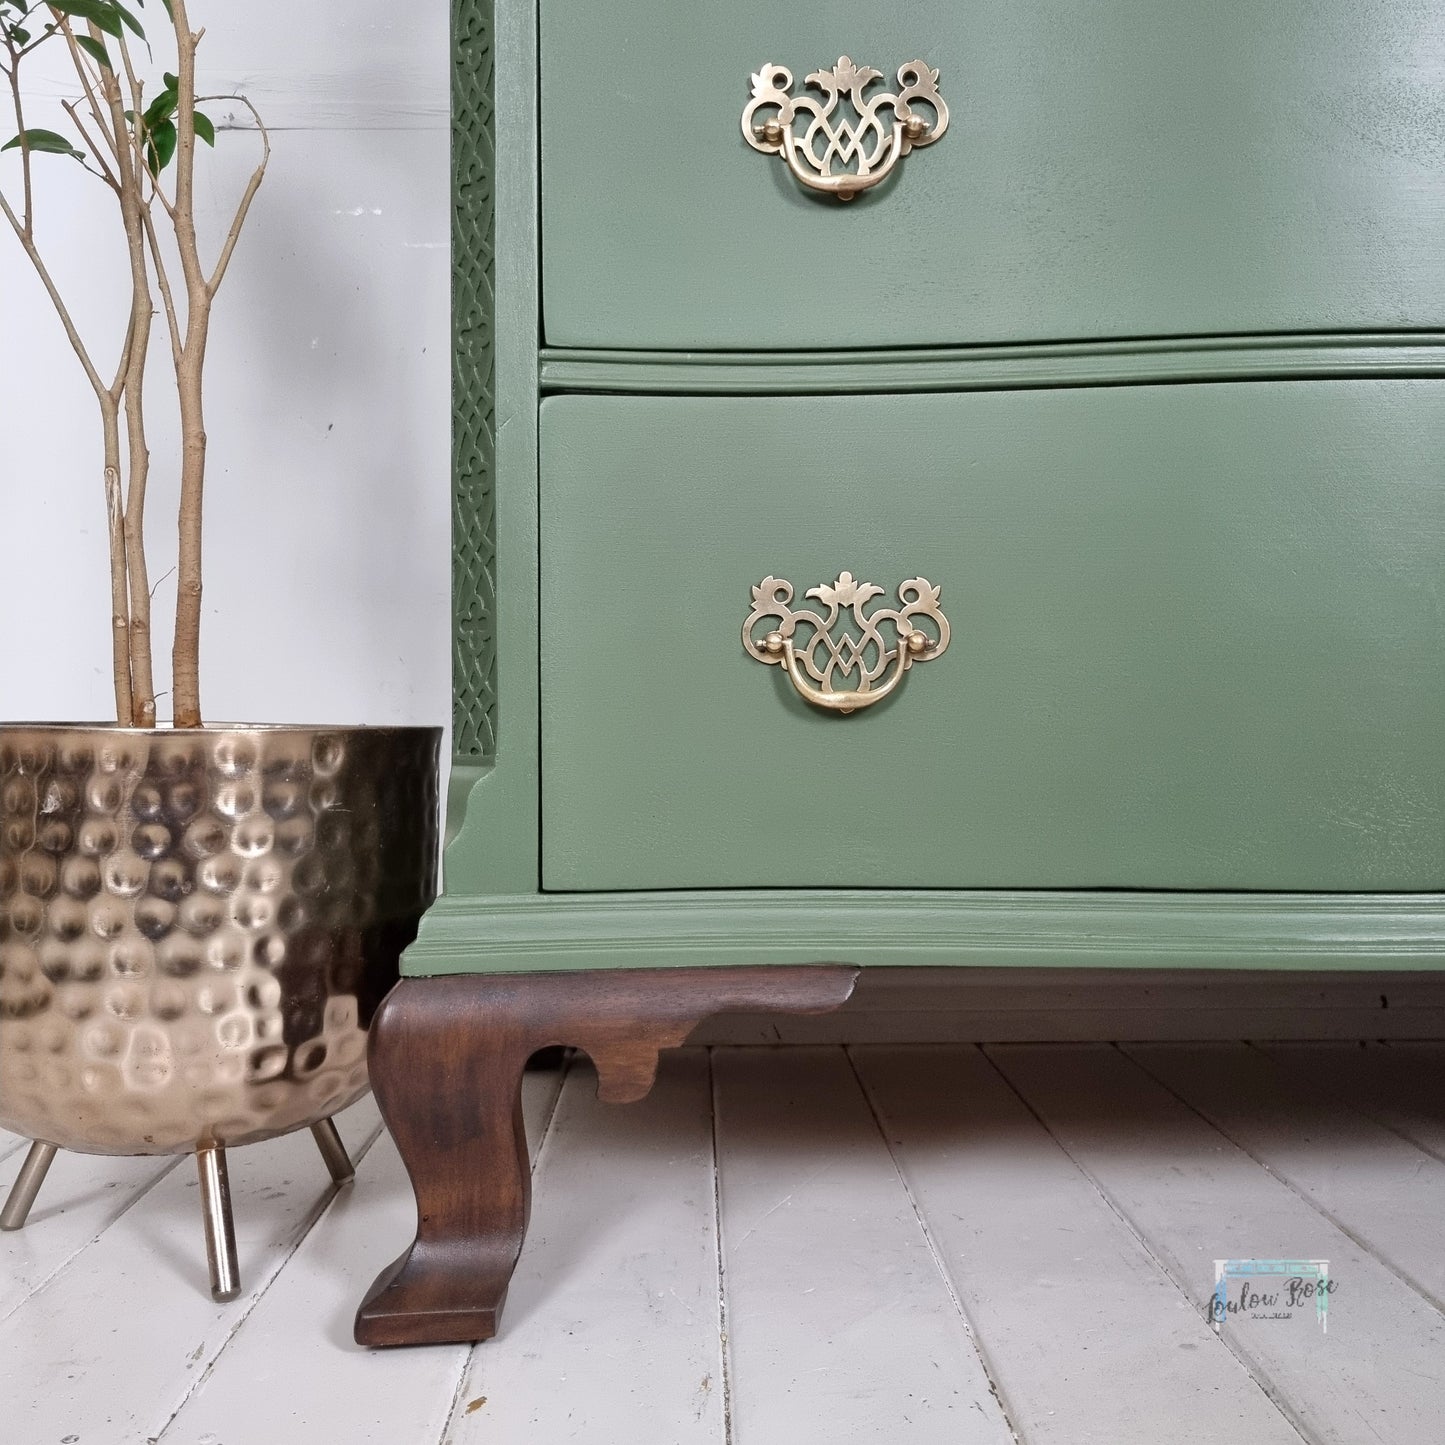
x,y
866,134
877,646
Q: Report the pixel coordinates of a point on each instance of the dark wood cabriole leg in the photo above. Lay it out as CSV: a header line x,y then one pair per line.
x,y
447,1056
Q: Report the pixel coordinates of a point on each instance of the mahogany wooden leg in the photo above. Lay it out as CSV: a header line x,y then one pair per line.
x,y
447,1056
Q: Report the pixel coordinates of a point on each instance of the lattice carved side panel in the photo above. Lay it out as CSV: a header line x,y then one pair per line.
x,y
474,538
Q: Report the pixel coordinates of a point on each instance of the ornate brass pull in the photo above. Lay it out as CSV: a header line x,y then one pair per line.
x,y
860,647
870,144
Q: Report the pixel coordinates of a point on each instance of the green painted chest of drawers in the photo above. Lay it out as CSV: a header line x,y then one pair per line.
x,y
1129,360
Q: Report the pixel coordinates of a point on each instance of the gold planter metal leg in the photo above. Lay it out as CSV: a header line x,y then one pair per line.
x,y
27,1185
220,1231
333,1151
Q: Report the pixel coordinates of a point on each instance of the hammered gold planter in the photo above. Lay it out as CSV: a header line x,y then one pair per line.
x,y
196,928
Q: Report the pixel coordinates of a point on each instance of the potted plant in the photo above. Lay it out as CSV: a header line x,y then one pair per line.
x,y
196,922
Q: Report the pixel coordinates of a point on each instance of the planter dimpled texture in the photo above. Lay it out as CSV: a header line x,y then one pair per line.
x,y
196,927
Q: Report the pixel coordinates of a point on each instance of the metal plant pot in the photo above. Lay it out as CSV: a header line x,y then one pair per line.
x,y
195,930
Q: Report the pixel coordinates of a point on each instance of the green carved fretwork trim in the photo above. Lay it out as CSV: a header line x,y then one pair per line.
x,y
474,552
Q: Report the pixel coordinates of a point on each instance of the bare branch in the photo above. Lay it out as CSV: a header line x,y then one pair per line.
x,y
163,280
157,193
104,173
185,161
130,383
108,117
185,649
117,387
142,676
132,81
48,33
58,301
252,186
119,601
14,74
89,76
137,137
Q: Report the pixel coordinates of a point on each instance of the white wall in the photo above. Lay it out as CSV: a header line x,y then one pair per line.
x,y
327,554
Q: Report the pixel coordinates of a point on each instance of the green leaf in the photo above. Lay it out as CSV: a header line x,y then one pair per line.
x,y
19,36
46,141
130,20
95,50
161,108
100,13
204,129
173,82
161,146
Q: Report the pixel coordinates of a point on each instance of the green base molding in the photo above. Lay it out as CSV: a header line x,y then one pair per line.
x,y
553,932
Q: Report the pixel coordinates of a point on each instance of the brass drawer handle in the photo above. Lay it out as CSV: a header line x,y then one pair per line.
x,y
870,143
860,647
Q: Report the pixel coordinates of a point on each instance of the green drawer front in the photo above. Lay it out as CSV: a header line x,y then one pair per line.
x,y
1198,639
1135,168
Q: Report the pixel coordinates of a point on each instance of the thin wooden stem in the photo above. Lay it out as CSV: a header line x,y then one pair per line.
x,y
185,651
57,300
119,602
163,281
26,184
105,173
87,74
142,671
158,260
108,399
137,136
243,208
133,383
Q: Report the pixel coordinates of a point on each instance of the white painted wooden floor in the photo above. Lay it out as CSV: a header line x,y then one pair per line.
x,y
878,1244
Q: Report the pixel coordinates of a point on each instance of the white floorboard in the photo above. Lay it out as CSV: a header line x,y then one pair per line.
x,y
1089,1341
1401,1085
122,1333
612,1324
1022,1249
841,1326
391,1396
1377,1187
1193,1197
82,1196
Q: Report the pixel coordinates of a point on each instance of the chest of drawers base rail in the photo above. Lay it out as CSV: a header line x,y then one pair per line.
x,y
623,950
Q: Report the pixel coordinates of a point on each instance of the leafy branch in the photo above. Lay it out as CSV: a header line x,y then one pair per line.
x,y
136,146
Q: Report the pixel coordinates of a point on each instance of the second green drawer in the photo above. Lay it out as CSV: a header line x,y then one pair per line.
x,y
1198,639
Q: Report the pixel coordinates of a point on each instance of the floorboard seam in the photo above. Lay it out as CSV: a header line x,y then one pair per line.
x,y
995,1388
1325,1213
1342,1096
458,1390
725,1346
472,1357
94,1239
197,1384
1251,1367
